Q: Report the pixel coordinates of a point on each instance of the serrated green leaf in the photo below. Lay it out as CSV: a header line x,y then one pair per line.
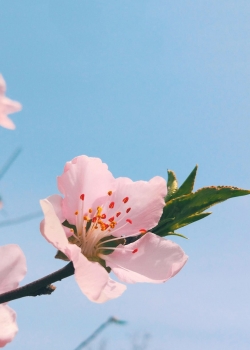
x,y
172,184
181,208
190,220
162,224
188,185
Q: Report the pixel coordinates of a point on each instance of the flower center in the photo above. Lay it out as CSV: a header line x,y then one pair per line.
x,y
94,228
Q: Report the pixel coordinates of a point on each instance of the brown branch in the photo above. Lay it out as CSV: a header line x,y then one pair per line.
x,y
40,287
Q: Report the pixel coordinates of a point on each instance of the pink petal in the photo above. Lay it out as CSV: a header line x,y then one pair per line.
x,y
8,106
8,326
56,201
111,290
2,85
6,122
91,277
12,267
84,175
140,205
52,230
150,259
94,280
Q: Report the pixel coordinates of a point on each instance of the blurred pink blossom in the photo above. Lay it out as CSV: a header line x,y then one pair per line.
x,y
7,106
100,212
12,270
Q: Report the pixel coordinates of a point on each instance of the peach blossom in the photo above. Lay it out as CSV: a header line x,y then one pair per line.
x,y
12,270
7,106
93,219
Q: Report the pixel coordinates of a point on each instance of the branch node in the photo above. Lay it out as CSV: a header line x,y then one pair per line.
x,y
44,291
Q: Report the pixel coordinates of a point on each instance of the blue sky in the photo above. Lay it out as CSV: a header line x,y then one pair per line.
x,y
146,86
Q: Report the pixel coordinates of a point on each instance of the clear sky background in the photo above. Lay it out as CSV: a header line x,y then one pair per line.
x,y
146,85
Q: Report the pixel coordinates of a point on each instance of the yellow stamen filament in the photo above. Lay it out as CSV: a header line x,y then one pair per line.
x,y
99,211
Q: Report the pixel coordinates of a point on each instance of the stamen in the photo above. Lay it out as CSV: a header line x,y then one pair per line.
x,y
109,193
125,199
142,230
112,224
111,205
90,210
103,216
135,251
94,219
86,218
104,226
76,212
99,210
124,225
82,197
118,214
128,210
129,221
111,219
75,236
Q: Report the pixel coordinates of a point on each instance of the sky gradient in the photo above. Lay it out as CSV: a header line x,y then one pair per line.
x,y
146,86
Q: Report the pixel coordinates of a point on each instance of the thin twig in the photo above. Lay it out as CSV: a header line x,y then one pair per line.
x,y
11,160
20,219
40,287
99,330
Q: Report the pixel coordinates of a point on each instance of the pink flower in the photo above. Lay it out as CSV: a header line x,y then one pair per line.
x,y
91,222
7,106
12,271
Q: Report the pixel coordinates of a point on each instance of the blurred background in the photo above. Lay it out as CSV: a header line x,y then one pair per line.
x,y
146,86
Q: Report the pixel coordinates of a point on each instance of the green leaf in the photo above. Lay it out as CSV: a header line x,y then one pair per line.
x,y
101,262
61,255
176,234
190,219
105,242
163,223
185,209
67,224
172,184
188,185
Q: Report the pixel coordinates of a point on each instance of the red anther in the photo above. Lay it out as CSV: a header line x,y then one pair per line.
x,y
129,221
125,199
109,193
103,216
142,230
135,251
94,219
112,219
118,214
112,204
82,197
128,210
